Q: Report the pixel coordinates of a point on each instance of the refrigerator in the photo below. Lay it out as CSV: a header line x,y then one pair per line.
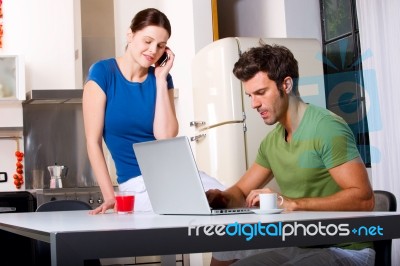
x,y
227,131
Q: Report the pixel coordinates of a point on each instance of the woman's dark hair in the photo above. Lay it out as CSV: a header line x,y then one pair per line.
x,y
150,17
275,60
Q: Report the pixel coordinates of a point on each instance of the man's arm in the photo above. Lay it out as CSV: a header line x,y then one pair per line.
x,y
235,196
356,193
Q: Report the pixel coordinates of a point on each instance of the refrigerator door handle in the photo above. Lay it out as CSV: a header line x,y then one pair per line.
x,y
197,123
220,124
198,137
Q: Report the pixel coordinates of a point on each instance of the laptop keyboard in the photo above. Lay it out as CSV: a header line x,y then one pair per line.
x,y
232,211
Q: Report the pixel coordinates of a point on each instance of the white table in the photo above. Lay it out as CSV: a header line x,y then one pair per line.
x,y
75,235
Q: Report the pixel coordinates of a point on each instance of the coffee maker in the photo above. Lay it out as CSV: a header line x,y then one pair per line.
x,y
57,172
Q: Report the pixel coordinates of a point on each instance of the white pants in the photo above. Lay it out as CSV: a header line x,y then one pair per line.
x,y
300,257
142,201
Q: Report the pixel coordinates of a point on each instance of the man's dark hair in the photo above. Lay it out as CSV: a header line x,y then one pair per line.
x,y
275,60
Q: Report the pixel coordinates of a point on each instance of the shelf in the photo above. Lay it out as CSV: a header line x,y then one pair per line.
x,y
11,133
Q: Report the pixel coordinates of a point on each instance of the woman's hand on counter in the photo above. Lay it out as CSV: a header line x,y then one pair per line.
x,y
107,205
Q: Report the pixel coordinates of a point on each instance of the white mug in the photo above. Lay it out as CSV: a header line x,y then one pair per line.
x,y
269,201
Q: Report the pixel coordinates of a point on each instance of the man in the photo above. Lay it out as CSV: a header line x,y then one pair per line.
x,y
312,155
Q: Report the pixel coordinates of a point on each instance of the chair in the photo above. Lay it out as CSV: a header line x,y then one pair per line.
x,y
43,248
63,205
384,201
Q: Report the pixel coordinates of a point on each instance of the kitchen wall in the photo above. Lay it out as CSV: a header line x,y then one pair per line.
x,y
98,32
277,19
43,34
47,33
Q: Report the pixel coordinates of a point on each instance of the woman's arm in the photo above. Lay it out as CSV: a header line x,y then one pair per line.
x,y
94,101
165,122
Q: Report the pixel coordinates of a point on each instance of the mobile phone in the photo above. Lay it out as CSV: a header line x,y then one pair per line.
x,y
163,59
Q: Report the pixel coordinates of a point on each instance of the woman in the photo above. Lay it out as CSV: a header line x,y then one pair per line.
x,y
128,100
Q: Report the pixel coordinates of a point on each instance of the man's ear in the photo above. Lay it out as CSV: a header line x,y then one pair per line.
x,y
288,85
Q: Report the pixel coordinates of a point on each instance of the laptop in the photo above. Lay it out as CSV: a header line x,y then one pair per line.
x,y
172,178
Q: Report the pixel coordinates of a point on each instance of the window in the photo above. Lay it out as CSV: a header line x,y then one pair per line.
x,y
344,88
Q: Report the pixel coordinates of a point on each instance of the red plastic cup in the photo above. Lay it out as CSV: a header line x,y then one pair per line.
x,y
125,201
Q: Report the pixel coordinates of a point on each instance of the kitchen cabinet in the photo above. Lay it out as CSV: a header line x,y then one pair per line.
x,y
16,249
12,78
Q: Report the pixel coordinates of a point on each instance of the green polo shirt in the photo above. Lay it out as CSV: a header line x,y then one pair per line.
x,y
322,141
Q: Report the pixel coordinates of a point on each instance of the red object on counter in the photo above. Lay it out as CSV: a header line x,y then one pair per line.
x,y
125,203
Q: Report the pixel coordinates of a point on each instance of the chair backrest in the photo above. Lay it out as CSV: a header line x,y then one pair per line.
x,y
64,205
384,201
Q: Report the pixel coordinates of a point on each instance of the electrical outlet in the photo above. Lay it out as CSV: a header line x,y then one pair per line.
x,y
3,177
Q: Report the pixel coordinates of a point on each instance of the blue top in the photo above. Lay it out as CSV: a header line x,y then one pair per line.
x,y
129,113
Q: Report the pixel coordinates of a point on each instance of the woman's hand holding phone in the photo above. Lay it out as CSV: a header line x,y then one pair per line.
x,y
166,56
164,63
163,60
